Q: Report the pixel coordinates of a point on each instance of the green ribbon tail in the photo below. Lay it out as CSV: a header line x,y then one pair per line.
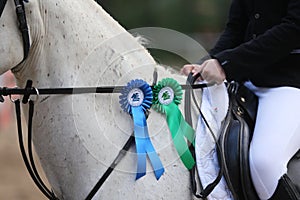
x,y
180,130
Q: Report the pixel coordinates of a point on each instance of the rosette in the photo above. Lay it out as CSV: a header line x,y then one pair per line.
x,y
135,99
167,95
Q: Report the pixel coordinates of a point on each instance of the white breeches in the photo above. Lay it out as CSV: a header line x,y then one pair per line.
x,y
276,136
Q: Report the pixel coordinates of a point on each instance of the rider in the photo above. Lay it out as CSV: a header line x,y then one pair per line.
x,y
260,46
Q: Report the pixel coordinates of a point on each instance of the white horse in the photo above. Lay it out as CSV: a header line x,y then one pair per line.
x,y
76,137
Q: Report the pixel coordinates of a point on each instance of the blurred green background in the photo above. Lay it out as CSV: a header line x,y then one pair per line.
x,y
202,20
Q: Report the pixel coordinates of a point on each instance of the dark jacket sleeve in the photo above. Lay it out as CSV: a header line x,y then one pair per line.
x,y
238,60
235,29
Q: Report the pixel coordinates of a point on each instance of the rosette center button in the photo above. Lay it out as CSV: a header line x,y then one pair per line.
x,y
135,97
166,95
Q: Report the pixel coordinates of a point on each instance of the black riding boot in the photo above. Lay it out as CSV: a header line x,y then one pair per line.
x,y
285,190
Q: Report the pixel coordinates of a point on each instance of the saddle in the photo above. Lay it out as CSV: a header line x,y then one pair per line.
x,y
236,134
235,137
233,145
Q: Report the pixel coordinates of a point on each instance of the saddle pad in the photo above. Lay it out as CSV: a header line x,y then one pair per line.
x,y
214,106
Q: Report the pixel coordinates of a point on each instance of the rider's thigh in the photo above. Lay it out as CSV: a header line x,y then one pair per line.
x,y
276,136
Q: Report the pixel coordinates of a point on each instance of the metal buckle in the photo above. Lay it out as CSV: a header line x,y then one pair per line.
x,y
1,99
37,95
12,99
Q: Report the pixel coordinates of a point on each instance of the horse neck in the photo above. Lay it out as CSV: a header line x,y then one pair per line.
x,y
64,34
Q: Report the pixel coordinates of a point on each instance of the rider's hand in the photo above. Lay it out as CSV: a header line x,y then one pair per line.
x,y
192,68
186,69
210,70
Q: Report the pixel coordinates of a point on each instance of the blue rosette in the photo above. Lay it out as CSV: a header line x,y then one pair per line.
x,y
135,99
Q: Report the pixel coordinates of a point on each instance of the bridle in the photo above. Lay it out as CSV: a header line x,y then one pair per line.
x,y
23,27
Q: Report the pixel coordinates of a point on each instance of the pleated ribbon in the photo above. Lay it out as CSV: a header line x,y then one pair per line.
x,y
167,95
135,99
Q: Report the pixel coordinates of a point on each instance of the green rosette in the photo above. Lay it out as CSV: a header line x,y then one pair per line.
x,y
167,95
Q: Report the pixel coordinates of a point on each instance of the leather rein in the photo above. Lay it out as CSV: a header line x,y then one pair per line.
x,y
194,177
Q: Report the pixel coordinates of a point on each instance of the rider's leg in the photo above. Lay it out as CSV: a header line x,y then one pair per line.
x,y
276,137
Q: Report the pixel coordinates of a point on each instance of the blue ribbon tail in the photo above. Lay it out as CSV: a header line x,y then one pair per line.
x,y
144,145
156,164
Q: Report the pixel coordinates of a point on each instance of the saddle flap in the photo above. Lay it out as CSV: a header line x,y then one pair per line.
x,y
235,139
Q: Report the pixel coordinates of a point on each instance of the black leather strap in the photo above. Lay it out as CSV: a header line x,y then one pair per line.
x,y
29,163
21,15
209,188
80,90
2,5
120,155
